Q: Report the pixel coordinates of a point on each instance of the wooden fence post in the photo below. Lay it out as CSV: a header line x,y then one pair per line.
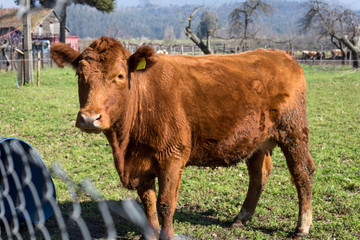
x,y
321,55
38,68
33,56
12,56
20,68
42,55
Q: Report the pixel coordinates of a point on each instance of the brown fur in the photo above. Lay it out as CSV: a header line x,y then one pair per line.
x,y
212,110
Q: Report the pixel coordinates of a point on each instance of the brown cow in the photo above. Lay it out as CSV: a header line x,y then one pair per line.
x,y
308,55
336,54
161,113
164,51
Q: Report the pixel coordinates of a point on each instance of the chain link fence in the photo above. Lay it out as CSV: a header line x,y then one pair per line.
x,y
28,207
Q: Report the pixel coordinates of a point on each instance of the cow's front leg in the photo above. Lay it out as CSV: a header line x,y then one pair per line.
x,y
169,183
148,198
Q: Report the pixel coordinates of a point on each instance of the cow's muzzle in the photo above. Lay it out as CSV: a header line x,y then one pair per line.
x,y
89,123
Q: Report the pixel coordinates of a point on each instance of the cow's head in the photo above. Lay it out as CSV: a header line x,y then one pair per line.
x,y
103,71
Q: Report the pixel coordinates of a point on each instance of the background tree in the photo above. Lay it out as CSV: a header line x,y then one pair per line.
x,y
336,22
206,25
169,33
61,5
193,37
242,20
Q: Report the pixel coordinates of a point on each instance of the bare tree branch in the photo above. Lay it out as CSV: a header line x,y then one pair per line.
x,y
194,37
242,19
336,22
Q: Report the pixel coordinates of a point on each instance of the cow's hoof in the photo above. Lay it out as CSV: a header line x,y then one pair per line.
x,y
237,224
148,237
301,232
298,235
166,235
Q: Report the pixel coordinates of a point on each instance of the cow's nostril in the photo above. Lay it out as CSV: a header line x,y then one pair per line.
x,y
82,119
89,121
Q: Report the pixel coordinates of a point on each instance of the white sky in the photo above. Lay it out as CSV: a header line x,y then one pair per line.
x,y
352,4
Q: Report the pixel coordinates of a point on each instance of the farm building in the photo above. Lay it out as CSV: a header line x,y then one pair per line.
x,y
45,26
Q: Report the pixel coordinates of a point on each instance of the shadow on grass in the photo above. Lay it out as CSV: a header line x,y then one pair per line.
x,y
199,218
209,218
94,222
95,225
271,230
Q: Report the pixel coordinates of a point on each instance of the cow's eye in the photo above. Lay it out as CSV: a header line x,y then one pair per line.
x,y
121,76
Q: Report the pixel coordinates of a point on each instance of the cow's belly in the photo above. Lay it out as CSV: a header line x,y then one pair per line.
x,y
215,153
231,144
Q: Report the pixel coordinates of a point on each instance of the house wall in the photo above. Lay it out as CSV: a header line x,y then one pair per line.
x,y
50,26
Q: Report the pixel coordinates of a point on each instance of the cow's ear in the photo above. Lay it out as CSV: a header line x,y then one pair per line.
x,y
63,54
142,59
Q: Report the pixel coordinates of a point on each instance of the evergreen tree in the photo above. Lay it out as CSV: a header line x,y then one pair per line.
x,y
207,23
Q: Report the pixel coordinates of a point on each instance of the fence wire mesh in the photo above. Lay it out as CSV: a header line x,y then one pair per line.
x,y
28,207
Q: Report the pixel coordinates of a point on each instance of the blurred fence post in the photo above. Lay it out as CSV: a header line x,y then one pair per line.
x,y
321,54
38,68
34,51
42,55
12,51
20,68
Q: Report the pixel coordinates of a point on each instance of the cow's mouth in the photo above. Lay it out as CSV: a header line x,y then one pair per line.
x,y
96,131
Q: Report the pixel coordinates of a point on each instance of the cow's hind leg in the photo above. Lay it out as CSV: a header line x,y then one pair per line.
x,y
293,140
301,166
259,167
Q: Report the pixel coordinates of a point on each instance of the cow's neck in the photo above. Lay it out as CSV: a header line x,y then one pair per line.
x,y
143,122
119,134
118,142
136,120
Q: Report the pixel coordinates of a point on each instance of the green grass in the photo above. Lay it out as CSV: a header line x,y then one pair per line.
x,y
208,200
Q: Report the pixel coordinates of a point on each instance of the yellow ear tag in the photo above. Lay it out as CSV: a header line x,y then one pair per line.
x,y
142,64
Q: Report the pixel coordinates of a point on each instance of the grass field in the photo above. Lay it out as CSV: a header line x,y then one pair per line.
x,y
208,200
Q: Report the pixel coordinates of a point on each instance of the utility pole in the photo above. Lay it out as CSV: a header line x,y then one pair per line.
x,y
27,45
